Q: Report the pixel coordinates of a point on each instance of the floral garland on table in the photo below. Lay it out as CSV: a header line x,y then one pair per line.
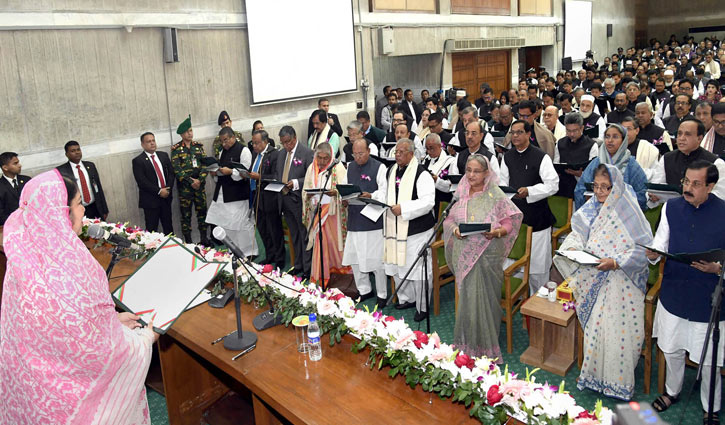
x,y
491,394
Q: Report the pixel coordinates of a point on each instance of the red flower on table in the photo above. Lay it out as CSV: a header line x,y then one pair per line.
x,y
268,268
493,395
464,360
421,338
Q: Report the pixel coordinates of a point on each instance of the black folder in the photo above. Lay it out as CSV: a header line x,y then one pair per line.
x,y
711,256
467,229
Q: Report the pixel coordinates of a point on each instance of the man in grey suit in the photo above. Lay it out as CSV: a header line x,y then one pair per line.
x,y
292,164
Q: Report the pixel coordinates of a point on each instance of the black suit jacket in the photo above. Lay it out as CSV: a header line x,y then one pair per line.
x,y
95,179
303,157
335,125
148,185
415,108
9,197
265,200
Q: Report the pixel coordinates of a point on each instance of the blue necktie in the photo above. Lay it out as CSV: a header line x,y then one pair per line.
x,y
255,168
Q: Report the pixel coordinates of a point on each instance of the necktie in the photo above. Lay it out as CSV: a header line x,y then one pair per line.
x,y
84,186
159,174
255,168
285,172
15,184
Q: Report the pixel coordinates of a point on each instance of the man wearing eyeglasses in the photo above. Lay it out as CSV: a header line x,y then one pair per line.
x,y
682,110
540,136
691,223
529,171
714,140
671,167
575,148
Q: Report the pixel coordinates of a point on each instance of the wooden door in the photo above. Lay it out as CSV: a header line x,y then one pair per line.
x,y
473,68
483,7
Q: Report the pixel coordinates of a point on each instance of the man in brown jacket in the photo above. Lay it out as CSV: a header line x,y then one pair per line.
x,y
541,137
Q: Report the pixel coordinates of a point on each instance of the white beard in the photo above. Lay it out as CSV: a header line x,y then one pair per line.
x,y
585,115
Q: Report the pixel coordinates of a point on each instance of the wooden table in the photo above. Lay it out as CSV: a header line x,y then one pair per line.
x,y
283,386
552,335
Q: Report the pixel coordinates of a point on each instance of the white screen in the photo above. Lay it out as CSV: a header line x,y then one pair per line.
x,y
577,29
300,48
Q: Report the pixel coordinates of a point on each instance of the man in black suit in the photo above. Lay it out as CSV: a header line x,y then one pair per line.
x,y
332,119
154,176
265,203
410,107
373,134
11,185
85,174
292,163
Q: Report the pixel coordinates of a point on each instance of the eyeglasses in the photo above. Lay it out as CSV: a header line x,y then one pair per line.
x,y
696,184
603,188
717,123
524,116
682,103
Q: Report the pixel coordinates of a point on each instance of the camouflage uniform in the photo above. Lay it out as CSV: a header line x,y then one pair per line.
x,y
218,143
182,161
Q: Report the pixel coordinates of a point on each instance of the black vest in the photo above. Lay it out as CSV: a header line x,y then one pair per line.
x,y
462,157
616,117
591,121
572,153
652,133
424,222
355,221
676,163
718,148
233,190
524,171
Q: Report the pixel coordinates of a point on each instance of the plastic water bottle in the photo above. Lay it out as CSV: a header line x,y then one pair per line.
x,y
313,339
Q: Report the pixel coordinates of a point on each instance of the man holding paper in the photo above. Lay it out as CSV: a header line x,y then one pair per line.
x,y
408,226
440,165
319,191
230,207
364,243
692,223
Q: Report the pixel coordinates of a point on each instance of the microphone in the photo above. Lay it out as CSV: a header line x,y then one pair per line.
x,y
95,231
448,208
221,235
332,165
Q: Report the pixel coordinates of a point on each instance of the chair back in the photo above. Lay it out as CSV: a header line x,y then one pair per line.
x,y
560,207
519,249
653,217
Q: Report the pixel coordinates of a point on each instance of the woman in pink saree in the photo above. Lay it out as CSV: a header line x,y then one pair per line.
x,y
477,260
67,356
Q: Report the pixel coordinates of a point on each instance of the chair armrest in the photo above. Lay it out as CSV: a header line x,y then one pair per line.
x,y
560,231
654,291
510,270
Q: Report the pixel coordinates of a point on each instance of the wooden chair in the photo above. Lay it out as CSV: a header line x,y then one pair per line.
x,y
654,282
515,291
562,208
288,241
441,207
441,275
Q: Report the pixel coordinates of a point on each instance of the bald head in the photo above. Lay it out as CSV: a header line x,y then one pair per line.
x,y
551,116
360,151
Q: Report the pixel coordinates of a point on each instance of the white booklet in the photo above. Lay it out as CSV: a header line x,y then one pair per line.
x,y
166,285
372,212
581,257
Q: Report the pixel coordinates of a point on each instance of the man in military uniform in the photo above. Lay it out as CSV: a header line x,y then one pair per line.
x,y
224,121
186,159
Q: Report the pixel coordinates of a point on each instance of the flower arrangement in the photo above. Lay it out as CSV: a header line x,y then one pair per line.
x,y
422,359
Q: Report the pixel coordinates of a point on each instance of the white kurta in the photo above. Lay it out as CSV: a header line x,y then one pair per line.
x,y
437,165
679,333
659,177
425,187
234,217
365,248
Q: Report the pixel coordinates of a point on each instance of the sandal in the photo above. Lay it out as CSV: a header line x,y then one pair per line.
x,y
664,402
715,419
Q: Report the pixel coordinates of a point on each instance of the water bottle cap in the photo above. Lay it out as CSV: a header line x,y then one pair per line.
x,y
313,317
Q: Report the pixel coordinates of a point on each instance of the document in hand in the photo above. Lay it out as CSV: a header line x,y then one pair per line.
x,y
508,191
454,179
581,257
468,229
274,185
664,191
562,167
349,191
166,284
711,256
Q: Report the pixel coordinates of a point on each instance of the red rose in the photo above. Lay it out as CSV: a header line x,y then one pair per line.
x,y
493,395
464,360
336,297
421,338
268,268
128,230
389,318
586,415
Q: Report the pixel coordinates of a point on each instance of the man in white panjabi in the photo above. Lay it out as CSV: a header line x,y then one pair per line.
x,y
230,206
409,225
364,243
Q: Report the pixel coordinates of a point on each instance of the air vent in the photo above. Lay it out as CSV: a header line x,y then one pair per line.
x,y
486,44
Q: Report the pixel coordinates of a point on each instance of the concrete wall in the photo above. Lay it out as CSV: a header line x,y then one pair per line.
x,y
619,13
676,16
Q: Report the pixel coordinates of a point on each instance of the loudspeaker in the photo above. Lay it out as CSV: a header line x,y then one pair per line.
x,y
171,52
566,64
609,30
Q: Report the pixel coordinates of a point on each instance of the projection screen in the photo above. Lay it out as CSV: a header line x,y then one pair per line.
x,y
577,29
300,49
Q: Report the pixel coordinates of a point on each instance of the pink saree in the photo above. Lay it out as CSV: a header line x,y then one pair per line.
x,y
66,357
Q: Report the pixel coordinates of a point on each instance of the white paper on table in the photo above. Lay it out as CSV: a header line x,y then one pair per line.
x,y
203,297
664,195
581,257
274,187
372,212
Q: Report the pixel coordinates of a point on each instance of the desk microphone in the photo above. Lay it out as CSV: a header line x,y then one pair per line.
x,y
95,231
221,235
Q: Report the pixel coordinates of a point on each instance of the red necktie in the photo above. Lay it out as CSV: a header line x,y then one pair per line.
x,y
84,186
159,174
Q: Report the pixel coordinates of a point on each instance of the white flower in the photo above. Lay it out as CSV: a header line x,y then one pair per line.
x,y
326,307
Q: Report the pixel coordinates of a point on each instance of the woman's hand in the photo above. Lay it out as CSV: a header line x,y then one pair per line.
x,y
150,327
606,264
457,233
331,192
129,320
495,233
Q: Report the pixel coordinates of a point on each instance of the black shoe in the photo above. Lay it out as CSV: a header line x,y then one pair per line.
x,y
381,302
420,316
404,306
295,272
187,238
205,241
366,296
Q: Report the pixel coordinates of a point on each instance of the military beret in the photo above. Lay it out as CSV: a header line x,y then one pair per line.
x,y
185,125
223,116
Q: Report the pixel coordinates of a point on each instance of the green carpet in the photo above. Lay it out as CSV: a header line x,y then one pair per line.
x,y
444,324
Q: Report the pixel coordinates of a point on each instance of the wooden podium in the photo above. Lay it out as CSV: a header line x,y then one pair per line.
x,y
552,335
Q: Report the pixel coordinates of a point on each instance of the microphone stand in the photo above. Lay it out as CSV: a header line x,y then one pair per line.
x,y
241,340
318,213
423,253
115,253
713,327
